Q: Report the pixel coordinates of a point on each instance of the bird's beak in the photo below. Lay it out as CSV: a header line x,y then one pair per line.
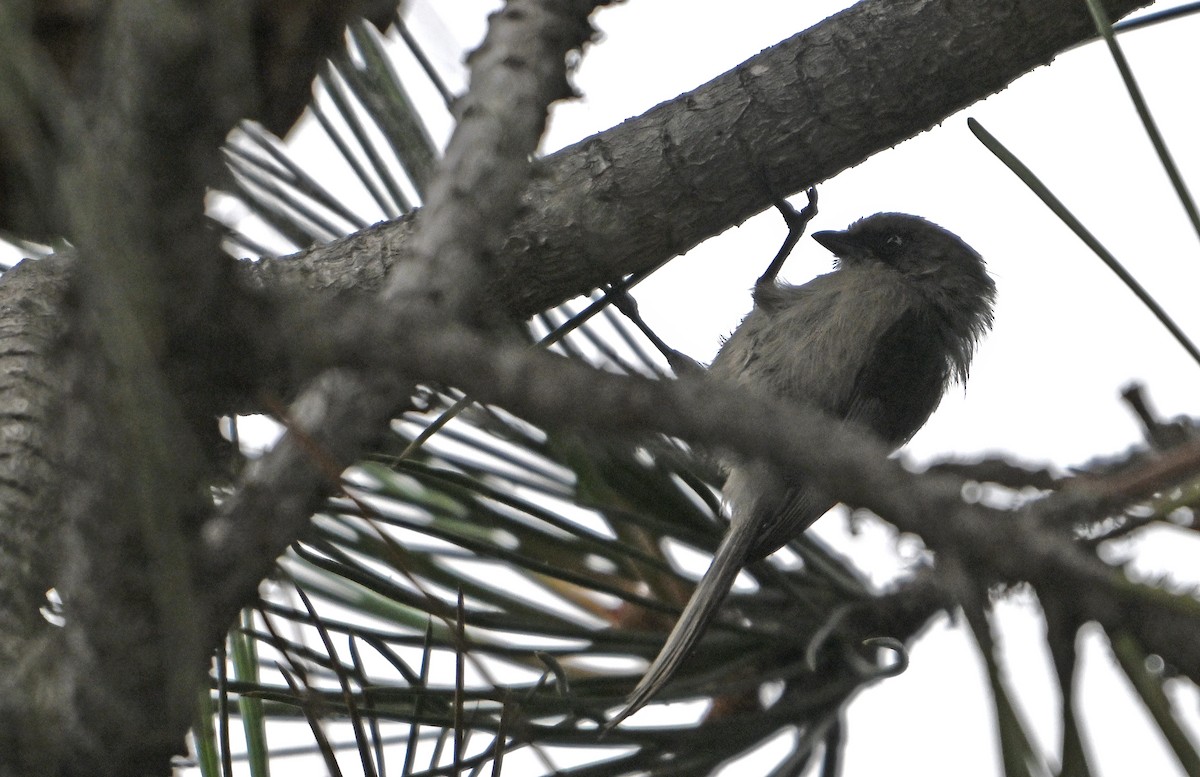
x,y
838,243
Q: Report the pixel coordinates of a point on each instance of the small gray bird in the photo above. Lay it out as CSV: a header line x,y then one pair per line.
x,y
876,342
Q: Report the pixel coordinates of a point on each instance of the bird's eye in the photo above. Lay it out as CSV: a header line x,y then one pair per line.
x,y
893,242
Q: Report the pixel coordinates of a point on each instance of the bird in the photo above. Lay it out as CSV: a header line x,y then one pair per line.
x,y
876,342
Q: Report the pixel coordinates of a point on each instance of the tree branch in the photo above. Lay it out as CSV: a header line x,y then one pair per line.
x,y
515,75
996,545
653,187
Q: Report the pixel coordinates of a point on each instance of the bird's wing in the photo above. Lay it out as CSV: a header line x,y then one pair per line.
x,y
902,382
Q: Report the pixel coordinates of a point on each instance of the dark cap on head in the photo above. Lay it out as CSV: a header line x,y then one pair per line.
x,y
909,243
936,262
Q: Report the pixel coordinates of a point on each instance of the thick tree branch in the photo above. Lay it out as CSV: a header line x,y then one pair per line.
x,y
30,326
997,546
818,103
142,150
515,75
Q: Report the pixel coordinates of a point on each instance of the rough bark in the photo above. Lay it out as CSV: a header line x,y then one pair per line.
x,y
817,103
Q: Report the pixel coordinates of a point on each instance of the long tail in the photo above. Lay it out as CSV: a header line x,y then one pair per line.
x,y
730,557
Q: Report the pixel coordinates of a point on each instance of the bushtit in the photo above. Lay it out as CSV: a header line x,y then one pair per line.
x,y
876,342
